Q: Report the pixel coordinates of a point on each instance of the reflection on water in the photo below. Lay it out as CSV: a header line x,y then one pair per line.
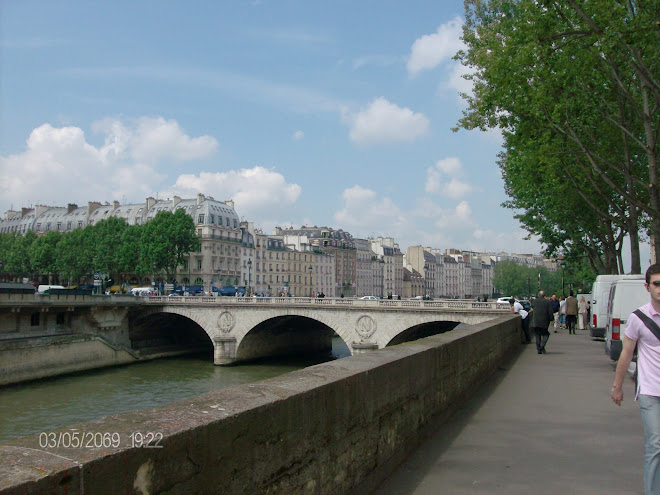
x,y
59,402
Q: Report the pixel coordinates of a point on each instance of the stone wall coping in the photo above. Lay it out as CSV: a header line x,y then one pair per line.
x,y
192,438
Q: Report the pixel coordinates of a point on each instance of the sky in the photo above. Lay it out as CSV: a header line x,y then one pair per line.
x,y
334,113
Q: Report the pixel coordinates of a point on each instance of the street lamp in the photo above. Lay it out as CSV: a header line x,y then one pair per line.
x,y
529,288
154,280
311,286
563,265
249,264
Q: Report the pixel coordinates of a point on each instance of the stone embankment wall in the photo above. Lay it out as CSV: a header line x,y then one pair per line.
x,y
30,359
334,428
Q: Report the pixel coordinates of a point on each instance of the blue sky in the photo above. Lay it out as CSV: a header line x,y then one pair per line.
x,y
305,113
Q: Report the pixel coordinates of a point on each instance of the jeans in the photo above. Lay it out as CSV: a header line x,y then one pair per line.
x,y
649,406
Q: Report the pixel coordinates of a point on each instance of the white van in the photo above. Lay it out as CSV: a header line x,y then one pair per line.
x,y
600,292
626,296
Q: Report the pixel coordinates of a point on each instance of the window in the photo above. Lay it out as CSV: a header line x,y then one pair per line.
x,y
235,223
59,225
199,264
211,219
80,225
185,264
68,226
34,319
60,318
200,218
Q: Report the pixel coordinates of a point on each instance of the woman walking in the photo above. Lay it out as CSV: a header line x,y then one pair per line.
x,y
582,313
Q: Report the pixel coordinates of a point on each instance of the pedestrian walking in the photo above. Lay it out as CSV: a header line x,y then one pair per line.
x,y
571,312
582,313
517,308
542,316
554,302
562,312
642,332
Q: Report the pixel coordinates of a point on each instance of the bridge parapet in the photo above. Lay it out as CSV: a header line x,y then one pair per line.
x,y
332,301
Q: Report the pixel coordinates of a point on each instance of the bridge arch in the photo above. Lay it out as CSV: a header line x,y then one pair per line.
x,y
422,330
285,335
168,333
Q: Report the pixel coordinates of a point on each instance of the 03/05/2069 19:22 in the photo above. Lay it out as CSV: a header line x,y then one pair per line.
x,y
78,439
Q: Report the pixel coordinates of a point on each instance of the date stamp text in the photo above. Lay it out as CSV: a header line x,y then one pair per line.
x,y
80,439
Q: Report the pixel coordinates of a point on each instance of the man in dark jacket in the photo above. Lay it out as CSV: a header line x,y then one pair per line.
x,y
571,313
542,315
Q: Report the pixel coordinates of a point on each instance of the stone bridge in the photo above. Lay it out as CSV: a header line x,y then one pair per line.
x,y
250,328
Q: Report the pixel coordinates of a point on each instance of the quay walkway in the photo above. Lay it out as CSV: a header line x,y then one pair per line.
x,y
545,425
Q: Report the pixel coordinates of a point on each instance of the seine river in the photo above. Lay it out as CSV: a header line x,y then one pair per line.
x,y
59,402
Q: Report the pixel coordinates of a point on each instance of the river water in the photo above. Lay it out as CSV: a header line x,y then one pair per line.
x,y
53,403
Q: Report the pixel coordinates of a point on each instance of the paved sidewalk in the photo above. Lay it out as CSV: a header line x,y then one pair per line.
x,y
545,425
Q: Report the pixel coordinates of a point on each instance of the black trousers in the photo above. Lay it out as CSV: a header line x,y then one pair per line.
x,y
542,336
571,320
527,338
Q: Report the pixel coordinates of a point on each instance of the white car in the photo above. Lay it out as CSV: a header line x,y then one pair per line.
x,y
369,298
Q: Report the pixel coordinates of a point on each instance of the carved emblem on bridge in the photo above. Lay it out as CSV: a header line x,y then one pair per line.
x,y
226,321
365,326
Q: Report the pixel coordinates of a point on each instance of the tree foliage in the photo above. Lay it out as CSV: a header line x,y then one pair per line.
x,y
110,247
511,279
575,89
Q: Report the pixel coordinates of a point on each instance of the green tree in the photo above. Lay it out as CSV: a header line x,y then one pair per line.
x,y
107,236
128,251
73,255
578,84
42,254
165,241
18,262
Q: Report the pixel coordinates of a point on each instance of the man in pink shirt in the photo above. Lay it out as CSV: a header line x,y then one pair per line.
x,y
648,377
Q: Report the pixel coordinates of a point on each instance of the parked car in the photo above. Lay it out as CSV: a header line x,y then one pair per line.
x,y
369,298
626,295
142,291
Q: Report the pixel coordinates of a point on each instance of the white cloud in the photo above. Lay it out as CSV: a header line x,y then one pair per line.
x,y
382,121
363,213
513,241
443,178
458,82
431,50
298,135
258,193
156,138
456,189
59,166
